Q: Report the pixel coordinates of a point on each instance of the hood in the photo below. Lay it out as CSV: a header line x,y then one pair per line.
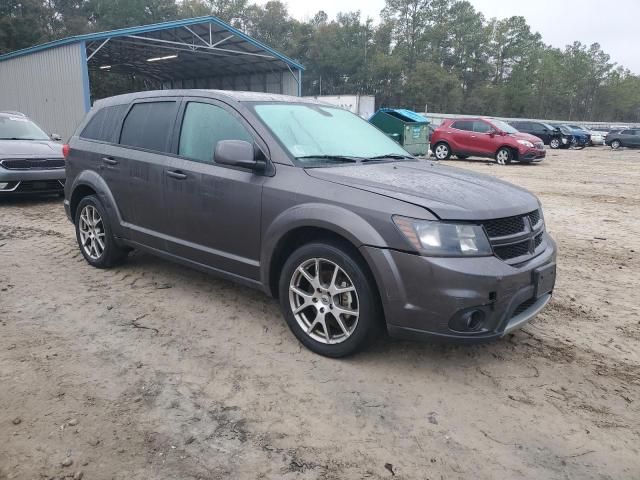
x,y
30,148
450,193
526,136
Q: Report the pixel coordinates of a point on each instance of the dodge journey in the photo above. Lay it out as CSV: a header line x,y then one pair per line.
x,y
314,206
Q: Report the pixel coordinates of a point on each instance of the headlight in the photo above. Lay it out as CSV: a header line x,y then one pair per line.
x,y
526,143
445,239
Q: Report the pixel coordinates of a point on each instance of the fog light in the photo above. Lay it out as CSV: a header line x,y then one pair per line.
x,y
469,321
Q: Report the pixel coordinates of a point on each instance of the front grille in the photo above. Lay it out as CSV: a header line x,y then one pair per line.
x,y
515,250
40,186
523,307
534,218
32,163
515,239
504,226
537,241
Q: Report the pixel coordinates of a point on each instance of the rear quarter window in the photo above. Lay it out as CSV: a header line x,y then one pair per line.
x,y
102,126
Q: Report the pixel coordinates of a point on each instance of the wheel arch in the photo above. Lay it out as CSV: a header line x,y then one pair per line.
x,y
90,183
514,150
306,223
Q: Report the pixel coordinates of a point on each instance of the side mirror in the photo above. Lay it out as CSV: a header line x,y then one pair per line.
x,y
237,153
492,133
56,137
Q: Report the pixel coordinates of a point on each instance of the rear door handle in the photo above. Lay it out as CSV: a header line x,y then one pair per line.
x,y
177,174
110,160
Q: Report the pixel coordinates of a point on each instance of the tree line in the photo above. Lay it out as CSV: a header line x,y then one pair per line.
x,y
442,54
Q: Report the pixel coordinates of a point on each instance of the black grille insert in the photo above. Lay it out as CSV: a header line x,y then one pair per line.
x,y
40,186
534,218
507,252
523,306
503,227
32,163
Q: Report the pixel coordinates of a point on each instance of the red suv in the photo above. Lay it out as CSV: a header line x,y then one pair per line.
x,y
485,137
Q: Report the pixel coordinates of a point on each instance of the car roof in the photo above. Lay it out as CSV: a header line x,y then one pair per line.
x,y
229,95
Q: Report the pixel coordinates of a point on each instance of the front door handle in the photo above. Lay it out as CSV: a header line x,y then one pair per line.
x,y
177,174
109,160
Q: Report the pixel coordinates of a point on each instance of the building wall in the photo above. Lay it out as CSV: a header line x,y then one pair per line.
x,y
48,86
274,82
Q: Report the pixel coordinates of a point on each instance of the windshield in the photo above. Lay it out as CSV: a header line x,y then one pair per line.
x,y
20,128
317,135
505,127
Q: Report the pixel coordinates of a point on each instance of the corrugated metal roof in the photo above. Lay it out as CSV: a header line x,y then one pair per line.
x,y
122,32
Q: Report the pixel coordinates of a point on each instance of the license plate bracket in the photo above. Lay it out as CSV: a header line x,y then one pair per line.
x,y
544,279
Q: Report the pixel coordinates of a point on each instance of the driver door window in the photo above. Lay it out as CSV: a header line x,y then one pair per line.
x,y
203,126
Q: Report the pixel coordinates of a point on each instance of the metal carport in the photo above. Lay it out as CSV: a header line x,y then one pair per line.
x,y
51,82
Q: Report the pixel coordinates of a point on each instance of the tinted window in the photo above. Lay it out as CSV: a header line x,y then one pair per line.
x,y
463,125
148,125
203,126
103,124
537,127
481,127
627,132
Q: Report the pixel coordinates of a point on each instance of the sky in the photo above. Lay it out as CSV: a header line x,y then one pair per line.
x,y
613,25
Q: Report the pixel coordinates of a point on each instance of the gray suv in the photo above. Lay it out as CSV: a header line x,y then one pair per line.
x,y
31,162
314,206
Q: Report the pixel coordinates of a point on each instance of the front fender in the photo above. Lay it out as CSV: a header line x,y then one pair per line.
x,y
335,219
91,179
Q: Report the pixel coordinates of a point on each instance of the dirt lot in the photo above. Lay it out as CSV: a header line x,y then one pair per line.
x,y
153,371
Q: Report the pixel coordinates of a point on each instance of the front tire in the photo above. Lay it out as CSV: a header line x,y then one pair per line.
x,y
504,156
93,233
554,143
329,300
442,151
616,144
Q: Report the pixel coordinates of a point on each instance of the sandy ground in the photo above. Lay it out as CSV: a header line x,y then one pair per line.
x,y
153,371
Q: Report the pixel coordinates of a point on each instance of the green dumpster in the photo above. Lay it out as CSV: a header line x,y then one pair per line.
x,y
409,129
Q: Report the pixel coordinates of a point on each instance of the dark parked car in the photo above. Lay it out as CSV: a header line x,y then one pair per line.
x,y
30,161
485,137
549,135
577,137
625,138
314,206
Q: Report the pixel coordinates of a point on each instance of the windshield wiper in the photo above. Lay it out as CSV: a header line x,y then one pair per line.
x,y
343,158
393,156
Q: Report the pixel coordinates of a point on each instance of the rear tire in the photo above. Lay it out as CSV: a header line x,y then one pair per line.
x,y
329,300
93,233
441,151
554,143
504,156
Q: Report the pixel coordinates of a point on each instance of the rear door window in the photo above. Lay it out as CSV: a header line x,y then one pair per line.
x,y
149,125
466,125
102,126
203,126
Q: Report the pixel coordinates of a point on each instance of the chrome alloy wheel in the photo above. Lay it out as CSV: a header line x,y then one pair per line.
x,y
502,157
91,232
441,152
324,301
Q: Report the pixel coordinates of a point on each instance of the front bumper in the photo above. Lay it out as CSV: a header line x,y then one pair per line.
x,y
531,154
423,297
31,181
